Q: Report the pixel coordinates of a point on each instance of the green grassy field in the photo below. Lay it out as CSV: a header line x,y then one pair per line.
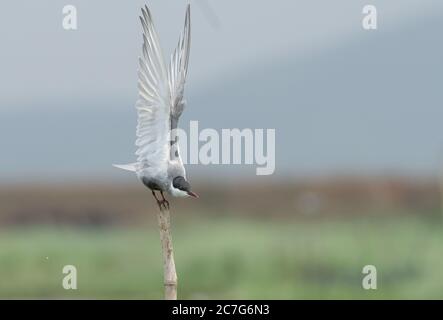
x,y
229,258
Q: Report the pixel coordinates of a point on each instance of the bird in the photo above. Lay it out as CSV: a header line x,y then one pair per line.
x,y
159,106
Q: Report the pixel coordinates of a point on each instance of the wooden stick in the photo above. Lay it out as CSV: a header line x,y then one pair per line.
x,y
169,273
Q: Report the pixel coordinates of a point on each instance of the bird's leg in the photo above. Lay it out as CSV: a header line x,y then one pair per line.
x,y
165,202
159,202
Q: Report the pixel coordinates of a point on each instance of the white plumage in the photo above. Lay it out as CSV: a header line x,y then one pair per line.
x,y
159,106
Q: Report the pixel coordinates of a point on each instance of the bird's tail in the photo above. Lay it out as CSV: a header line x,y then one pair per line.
x,y
128,167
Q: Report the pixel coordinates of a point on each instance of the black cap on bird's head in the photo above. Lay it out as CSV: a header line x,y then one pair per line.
x,y
183,185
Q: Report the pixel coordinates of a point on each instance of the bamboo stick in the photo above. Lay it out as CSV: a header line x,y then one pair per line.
x,y
169,273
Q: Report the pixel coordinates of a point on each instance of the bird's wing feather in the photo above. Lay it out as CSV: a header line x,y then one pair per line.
x,y
153,104
178,69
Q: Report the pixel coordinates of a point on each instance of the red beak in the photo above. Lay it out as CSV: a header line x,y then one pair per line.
x,y
192,194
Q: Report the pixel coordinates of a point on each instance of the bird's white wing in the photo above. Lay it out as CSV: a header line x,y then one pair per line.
x,y
153,104
178,69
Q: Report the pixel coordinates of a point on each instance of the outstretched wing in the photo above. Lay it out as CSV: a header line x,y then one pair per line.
x,y
153,104
178,69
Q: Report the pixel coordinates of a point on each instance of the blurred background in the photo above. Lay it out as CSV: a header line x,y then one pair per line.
x,y
359,151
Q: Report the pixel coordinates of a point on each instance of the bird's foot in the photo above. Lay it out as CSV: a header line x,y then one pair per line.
x,y
163,204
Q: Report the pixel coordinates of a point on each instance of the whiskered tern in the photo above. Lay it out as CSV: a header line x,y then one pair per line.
x,y
159,107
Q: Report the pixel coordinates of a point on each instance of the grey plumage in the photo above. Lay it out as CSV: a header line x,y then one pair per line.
x,y
159,107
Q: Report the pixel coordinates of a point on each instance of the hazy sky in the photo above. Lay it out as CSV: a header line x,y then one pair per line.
x,y
42,61
340,98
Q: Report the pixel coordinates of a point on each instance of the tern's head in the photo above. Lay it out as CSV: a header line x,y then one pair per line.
x,y
182,188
